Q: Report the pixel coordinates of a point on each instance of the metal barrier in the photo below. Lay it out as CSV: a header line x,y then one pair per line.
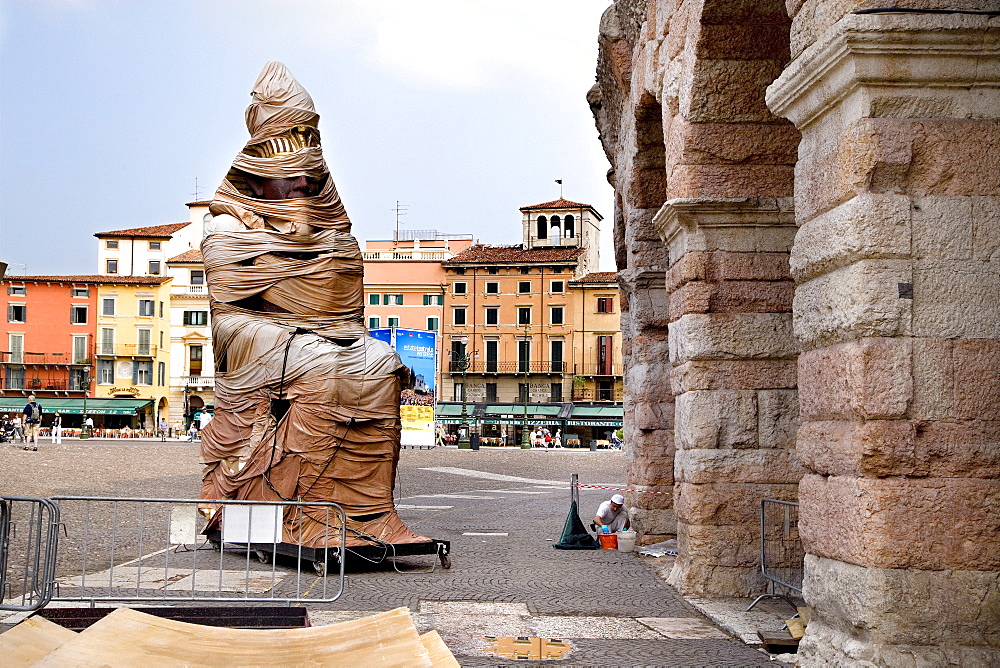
x,y
28,543
781,554
150,549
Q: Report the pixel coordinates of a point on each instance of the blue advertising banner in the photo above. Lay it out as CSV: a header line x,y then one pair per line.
x,y
417,349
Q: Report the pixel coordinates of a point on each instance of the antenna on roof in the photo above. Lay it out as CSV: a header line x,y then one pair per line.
x,y
559,181
197,190
400,211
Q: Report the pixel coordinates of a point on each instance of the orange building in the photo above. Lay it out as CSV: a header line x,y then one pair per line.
x,y
523,340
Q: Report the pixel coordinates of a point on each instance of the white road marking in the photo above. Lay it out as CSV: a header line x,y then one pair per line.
x,y
450,496
493,476
509,491
407,506
486,533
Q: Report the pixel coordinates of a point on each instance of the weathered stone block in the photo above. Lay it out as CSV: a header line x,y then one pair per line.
x,y
865,227
732,336
860,300
777,418
734,143
728,546
733,375
728,91
942,227
726,181
653,521
985,227
692,297
716,419
696,578
738,466
876,448
956,299
932,523
726,503
950,608
977,368
730,266
933,380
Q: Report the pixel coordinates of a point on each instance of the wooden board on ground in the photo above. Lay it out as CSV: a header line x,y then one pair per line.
x,y
440,655
778,642
128,637
30,640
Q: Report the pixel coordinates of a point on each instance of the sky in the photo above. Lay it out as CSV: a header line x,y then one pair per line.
x,y
111,111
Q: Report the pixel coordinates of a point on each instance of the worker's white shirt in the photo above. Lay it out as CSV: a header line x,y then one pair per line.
x,y
615,521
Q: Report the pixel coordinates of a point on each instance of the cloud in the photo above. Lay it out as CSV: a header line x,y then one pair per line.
x,y
466,44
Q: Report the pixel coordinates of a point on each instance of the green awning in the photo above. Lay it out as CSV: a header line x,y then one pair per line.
x,y
596,416
538,414
75,406
442,410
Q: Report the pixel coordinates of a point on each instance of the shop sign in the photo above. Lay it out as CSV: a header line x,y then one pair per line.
x,y
134,391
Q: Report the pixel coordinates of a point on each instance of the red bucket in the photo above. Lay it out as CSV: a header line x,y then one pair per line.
x,y
609,541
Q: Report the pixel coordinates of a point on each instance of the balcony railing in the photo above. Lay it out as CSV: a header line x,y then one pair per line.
x,y
127,350
596,394
511,367
36,359
198,381
406,255
598,370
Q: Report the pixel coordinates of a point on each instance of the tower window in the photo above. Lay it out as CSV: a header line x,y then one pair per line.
x,y
543,228
569,227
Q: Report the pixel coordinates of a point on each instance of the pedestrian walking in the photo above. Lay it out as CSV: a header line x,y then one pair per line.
x,y
32,423
503,438
192,431
18,428
163,429
557,441
57,428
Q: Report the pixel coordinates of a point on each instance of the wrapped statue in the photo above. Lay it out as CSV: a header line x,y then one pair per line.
x,y
306,403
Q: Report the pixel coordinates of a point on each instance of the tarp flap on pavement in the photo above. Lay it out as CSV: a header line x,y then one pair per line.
x,y
575,535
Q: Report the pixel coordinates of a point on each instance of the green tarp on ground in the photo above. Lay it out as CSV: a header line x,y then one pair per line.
x,y
75,406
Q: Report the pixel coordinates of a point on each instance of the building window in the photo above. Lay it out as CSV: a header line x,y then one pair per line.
x,y
15,378
107,341
161,373
491,392
154,245
17,290
525,270
154,267
197,277
433,324
460,271
524,287
105,372
78,315
458,317
605,304
374,299
161,309
460,288
196,318
195,354
493,316
492,287
146,308
108,306
79,349
76,380
112,244
492,356
524,315
392,322
143,373
556,393
558,286
605,390
605,355
459,391
17,313
556,270
522,392
145,342
112,266
432,300
542,228
81,292
161,339
556,357
492,270
374,322
16,349
523,355
569,229
556,317
388,299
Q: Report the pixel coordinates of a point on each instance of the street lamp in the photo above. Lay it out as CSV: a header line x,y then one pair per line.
x,y
463,362
525,439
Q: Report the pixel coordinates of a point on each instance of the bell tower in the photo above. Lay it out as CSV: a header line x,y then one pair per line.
x,y
563,224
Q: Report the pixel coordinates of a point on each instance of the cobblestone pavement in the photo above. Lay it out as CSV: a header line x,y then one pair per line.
x,y
609,606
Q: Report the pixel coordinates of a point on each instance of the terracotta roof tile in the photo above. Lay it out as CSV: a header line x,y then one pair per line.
x,y
557,204
598,277
482,254
154,231
89,278
192,256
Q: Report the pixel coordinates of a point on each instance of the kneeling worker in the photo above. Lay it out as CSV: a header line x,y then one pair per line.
x,y
614,514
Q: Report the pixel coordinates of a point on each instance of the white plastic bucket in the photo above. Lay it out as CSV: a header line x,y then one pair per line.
x,y
626,541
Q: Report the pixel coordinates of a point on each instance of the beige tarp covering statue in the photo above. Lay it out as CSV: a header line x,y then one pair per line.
x,y
306,403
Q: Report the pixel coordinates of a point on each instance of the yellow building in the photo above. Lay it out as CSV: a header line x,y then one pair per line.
x,y
597,343
132,348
